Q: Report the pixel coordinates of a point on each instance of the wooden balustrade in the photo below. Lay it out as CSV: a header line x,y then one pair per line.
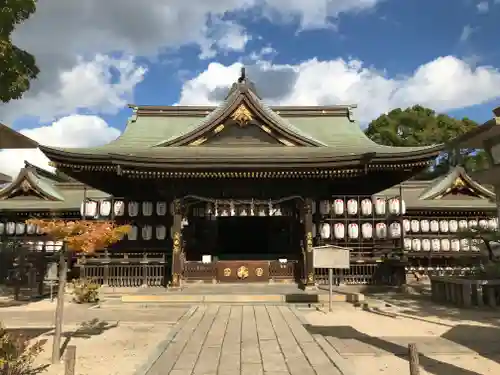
x,y
465,292
125,275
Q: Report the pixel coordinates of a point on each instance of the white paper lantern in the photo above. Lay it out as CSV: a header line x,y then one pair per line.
x,y
132,235
367,230
455,245
225,211
20,228
445,244
435,244
415,226
493,223
353,230
161,208
395,229
39,230
396,206
339,230
406,225
314,230
88,208
462,225
232,210
426,244
277,211
324,207
49,246
119,208
105,208
475,245
483,224
2,228
147,232
434,226
133,208
443,226
147,208
473,224
352,207
39,245
381,230
380,206
407,244
30,228
10,228
58,245
464,244
325,231
338,207
416,244
366,207
425,226
453,226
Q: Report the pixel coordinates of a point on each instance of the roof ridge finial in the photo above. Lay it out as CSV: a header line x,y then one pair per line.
x,y
243,75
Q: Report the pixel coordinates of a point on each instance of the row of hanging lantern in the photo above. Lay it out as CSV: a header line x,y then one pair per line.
x,y
381,231
105,207
445,226
233,209
48,246
440,270
366,207
18,228
147,233
443,244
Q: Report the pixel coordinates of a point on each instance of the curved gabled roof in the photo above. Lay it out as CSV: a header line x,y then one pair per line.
x,y
28,180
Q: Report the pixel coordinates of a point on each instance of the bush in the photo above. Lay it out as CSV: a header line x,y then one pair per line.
x,y
17,354
85,291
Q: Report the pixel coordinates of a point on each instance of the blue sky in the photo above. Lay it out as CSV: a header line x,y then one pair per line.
x,y
379,54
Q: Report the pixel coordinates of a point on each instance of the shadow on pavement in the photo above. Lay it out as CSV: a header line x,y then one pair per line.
x,y
430,365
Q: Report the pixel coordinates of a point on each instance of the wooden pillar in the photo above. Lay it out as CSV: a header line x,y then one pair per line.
x,y
176,236
308,242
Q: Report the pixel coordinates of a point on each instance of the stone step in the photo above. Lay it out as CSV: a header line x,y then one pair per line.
x,y
183,298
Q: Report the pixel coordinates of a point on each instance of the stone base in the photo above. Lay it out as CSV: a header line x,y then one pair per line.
x,y
311,288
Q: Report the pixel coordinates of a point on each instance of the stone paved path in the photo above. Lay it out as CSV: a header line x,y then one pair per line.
x,y
246,340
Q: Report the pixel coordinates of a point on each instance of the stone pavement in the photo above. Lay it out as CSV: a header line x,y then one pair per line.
x,y
246,340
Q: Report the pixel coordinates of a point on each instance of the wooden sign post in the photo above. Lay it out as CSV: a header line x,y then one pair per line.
x,y
331,257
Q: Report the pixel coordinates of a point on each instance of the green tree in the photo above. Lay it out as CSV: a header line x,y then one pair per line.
x,y
419,126
17,67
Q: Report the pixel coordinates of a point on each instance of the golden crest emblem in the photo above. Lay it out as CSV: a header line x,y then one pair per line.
x,y
259,272
242,272
227,272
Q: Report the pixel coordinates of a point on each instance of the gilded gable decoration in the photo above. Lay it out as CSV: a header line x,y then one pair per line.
x,y
242,115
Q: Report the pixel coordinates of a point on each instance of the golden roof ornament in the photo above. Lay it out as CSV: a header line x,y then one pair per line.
x,y
242,115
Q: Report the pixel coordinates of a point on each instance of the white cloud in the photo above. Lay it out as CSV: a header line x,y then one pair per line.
x,y
225,36
483,7
443,84
467,31
70,131
103,85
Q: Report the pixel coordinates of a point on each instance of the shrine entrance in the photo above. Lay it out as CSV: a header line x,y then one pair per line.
x,y
243,246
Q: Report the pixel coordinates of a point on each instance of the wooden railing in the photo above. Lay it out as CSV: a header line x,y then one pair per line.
x,y
358,274
125,275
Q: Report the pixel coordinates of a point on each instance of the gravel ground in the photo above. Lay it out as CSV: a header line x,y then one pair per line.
x,y
118,350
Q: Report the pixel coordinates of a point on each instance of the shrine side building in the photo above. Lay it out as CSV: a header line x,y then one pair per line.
x,y
244,191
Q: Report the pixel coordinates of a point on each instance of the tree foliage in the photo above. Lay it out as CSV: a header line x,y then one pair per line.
x,y
86,236
17,67
18,355
419,126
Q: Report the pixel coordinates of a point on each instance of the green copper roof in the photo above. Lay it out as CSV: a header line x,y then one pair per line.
x,y
43,193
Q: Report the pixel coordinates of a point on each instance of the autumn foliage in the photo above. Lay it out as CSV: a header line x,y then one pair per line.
x,y
82,236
